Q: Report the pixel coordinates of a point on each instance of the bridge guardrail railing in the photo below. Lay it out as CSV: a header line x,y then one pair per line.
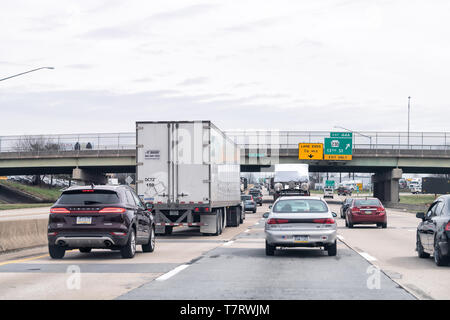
x,y
248,139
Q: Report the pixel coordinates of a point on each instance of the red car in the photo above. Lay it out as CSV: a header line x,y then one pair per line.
x,y
366,211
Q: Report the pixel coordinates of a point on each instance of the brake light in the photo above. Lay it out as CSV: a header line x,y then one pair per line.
x,y
118,233
87,190
196,209
355,209
59,210
277,221
207,209
380,210
112,210
324,221
447,227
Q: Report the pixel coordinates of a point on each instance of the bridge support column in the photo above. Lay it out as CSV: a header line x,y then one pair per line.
x,y
385,185
88,176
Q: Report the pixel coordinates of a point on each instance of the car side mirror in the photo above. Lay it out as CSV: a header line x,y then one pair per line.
x,y
334,214
270,207
420,215
266,215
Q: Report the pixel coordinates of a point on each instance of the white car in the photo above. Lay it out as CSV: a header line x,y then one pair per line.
x,y
301,222
328,193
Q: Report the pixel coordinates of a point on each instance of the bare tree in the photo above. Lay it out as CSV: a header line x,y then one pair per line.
x,y
32,143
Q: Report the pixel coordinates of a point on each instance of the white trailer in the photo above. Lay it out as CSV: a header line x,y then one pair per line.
x,y
190,172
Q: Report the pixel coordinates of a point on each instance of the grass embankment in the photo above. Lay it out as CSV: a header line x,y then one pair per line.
x,y
11,206
44,193
417,198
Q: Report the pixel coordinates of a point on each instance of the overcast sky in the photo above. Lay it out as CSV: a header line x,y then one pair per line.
x,y
284,64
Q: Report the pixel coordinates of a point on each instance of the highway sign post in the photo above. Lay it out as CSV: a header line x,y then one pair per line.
x,y
310,151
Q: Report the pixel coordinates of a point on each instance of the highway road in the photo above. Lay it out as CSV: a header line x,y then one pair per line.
x,y
187,265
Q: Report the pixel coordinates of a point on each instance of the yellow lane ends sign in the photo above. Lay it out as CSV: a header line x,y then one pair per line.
x,y
310,151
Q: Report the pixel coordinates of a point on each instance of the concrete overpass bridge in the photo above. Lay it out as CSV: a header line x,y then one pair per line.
x,y
89,156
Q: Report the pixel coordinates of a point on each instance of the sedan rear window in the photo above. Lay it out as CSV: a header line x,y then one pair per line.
x,y
300,205
86,197
367,202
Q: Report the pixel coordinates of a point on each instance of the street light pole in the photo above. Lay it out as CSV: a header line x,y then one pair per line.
x,y
19,74
409,107
370,137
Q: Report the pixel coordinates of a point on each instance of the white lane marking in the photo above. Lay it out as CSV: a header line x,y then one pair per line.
x,y
248,230
340,237
367,256
171,273
229,243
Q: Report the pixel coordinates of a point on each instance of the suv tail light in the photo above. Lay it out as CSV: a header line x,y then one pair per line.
x,y
324,221
447,227
59,210
112,210
277,221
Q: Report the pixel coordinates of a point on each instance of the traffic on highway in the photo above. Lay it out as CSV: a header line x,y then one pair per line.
x,y
192,228
224,159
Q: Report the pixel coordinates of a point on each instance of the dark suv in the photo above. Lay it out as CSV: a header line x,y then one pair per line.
x,y
90,217
257,196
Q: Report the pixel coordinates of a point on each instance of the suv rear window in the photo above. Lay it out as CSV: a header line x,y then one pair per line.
x,y
246,197
86,197
367,202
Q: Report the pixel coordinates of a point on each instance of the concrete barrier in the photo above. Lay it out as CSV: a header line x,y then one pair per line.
x,y
23,233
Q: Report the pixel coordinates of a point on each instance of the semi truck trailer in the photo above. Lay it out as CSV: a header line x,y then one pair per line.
x,y
188,172
290,180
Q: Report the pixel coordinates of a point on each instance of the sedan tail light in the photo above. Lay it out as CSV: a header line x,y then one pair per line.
x,y
324,221
354,209
112,210
59,210
277,221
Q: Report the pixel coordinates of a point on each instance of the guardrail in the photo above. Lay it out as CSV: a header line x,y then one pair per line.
x,y
251,139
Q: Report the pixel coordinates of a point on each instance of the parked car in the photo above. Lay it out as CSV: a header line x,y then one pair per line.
x,y
344,191
433,233
366,211
300,221
328,193
91,217
344,207
249,203
257,196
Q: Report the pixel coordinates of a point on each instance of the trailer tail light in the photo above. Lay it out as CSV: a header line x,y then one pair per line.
x,y
447,227
206,209
196,209
324,221
112,210
59,210
277,221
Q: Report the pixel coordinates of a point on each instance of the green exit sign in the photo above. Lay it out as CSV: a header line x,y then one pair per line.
x,y
341,134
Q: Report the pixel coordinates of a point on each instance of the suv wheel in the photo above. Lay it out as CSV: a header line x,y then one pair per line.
x,y
129,249
56,252
332,249
420,252
270,249
150,246
439,259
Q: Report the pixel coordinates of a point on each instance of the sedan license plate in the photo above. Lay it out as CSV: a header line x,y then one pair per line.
x,y
84,220
368,212
301,238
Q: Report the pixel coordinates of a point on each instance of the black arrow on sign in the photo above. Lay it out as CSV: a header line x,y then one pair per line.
x,y
310,156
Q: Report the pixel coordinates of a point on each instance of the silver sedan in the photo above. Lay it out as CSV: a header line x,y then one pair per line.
x,y
300,222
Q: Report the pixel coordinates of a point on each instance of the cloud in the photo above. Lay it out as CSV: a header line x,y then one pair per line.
x,y
193,81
